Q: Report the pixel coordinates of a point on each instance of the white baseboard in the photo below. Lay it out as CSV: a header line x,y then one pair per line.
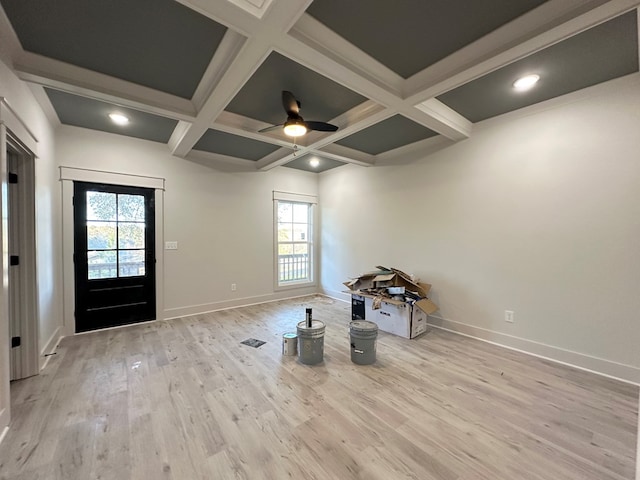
x,y
600,366
171,313
4,423
638,446
49,347
336,295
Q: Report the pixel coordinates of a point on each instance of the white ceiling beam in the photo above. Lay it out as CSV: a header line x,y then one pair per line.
x,y
363,116
441,118
544,26
345,154
257,8
349,66
210,157
313,45
368,113
227,14
336,69
178,132
280,157
414,151
10,46
58,75
248,127
221,162
224,55
277,21
325,41
45,104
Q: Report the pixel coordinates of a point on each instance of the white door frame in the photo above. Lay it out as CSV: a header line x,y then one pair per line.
x,y
22,230
67,176
10,124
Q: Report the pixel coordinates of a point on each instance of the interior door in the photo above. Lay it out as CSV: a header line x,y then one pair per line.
x,y
15,315
114,255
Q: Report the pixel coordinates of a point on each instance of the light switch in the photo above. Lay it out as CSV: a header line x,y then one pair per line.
x,y
170,245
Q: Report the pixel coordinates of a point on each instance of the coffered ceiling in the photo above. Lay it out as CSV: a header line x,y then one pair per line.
x,y
397,78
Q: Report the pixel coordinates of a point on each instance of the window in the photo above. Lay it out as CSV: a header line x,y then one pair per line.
x,y
293,217
115,235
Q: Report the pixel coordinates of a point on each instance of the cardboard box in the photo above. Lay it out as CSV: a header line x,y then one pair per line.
x,y
388,277
403,315
358,308
400,318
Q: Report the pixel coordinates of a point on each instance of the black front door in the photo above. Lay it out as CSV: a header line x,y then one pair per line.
x,y
114,255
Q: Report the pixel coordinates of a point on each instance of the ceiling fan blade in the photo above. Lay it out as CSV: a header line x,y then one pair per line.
x,y
271,129
321,126
290,104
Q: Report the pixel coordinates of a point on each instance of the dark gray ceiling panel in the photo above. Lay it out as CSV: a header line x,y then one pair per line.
x,y
409,35
602,53
391,133
223,143
157,43
302,163
94,114
321,98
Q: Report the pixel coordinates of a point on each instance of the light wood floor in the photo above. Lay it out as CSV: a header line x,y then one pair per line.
x,y
184,400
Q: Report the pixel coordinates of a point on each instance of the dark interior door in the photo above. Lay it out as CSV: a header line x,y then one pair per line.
x,y
114,255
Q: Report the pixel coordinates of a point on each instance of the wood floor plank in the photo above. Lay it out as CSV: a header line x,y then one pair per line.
x,y
184,399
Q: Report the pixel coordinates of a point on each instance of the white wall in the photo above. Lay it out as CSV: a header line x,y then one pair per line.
x,y
538,212
48,239
222,221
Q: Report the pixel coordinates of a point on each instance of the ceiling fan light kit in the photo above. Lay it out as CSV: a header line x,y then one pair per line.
x,y
295,126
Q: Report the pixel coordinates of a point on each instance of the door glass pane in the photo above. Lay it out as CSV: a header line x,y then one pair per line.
x,y
130,235
102,264
131,263
131,208
300,213
101,206
101,235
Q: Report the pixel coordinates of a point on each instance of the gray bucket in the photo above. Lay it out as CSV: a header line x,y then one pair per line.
x,y
289,344
311,342
363,341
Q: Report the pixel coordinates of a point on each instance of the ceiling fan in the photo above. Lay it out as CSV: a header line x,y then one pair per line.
x,y
295,126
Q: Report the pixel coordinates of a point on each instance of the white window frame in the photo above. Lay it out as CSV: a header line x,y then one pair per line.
x,y
312,201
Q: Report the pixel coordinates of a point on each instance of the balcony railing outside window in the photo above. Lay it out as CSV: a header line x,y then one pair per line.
x,y
292,268
110,270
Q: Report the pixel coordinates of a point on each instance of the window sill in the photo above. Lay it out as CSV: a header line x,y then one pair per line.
x,y
295,285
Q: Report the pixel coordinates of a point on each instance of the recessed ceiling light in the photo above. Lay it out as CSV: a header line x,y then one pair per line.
x,y
119,118
526,82
314,162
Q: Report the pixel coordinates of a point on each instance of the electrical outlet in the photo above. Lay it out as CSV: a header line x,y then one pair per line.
x,y
509,316
170,245
233,287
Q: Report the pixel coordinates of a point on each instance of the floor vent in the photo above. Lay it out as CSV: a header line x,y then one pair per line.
x,y
252,342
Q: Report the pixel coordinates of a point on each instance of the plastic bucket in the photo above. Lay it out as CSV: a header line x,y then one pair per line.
x,y
289,344
364,335
311,342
